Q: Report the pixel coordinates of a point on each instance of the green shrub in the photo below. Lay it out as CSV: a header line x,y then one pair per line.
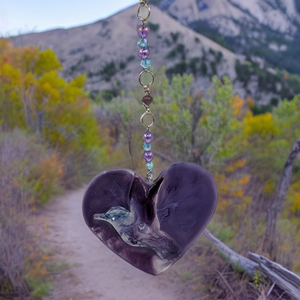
x,y
108,71
153,27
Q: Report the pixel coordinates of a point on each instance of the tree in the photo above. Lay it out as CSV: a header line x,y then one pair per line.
x,y
287,117
40,101
199,127
271,236
270,138
203,129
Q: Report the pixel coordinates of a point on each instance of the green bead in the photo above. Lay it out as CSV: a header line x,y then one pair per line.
x,y
147,146
145,63
142,43
150,165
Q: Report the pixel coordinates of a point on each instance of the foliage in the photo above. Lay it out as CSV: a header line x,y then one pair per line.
x,y
204,65
198,128
246,44
49,138
178,50
45,178
297,3
270,138
108,71
42,102
245,152
194,128
119,118
29,175
280,83
262,125
153,27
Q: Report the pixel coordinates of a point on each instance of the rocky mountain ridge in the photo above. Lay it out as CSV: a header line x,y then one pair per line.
x,y
106,51
268,29
278,15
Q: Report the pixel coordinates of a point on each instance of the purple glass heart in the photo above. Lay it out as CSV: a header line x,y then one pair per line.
x,y
150,226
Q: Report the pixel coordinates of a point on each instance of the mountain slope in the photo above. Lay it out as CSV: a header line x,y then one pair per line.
x,y
223,13
269,29
106,50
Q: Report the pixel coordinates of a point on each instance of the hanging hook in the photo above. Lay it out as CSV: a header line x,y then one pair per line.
x,y
144,3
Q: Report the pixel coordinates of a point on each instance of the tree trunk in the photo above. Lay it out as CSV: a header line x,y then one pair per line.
x,y
196,112
270,242
27,99
40,124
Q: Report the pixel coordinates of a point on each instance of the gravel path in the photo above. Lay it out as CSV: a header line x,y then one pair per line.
x,y
96,272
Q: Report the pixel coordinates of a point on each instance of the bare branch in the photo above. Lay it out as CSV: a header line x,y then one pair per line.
x,y
163,156
227,285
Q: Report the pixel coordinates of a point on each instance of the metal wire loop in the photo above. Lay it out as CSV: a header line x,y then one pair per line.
x,y
144,4
148,112
140,78
147,90
150,175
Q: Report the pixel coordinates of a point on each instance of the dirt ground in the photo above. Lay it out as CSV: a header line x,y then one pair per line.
x,y
95,272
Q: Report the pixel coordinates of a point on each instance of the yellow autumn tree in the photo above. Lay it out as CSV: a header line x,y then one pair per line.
x,y
34,97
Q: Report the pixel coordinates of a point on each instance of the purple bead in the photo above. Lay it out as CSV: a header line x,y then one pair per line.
x,y
147,137
148,156
143,31
144,53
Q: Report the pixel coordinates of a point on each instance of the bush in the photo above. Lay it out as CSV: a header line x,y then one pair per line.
x,y
58,111
49,137
153,27
45,178
29,175
16,155
108,71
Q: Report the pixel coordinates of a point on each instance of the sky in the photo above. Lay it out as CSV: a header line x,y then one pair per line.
x,y
22,16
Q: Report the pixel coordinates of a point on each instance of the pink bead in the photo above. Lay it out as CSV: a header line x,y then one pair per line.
x,y
147,137
143,31
144,53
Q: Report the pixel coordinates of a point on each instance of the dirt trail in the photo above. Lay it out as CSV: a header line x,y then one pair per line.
x,y
96,272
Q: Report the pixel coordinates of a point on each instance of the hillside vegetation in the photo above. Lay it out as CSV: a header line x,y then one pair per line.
x,y
205,38
245,151
49,140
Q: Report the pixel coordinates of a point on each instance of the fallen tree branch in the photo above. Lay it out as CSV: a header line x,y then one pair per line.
x,y
235,259
285,279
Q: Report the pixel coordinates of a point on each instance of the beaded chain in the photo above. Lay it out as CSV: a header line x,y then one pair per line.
x,y
147,118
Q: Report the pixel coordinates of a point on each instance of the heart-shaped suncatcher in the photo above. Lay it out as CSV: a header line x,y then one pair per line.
x,y
150,225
